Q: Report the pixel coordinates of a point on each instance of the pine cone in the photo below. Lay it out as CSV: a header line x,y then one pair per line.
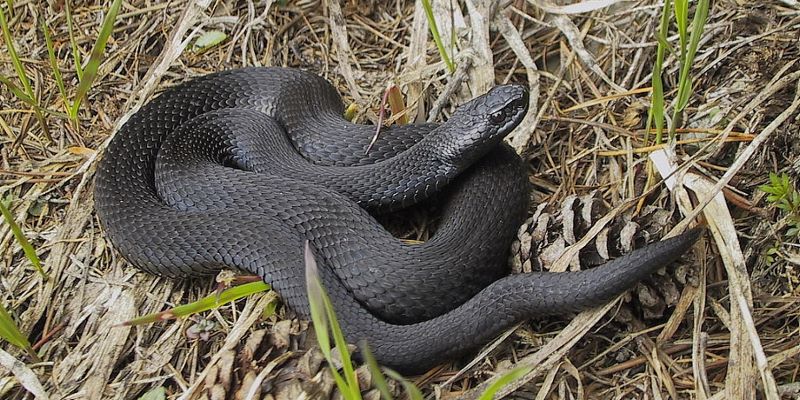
x,y
542,239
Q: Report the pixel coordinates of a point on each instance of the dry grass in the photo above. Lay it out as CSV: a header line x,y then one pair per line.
x,y
729,331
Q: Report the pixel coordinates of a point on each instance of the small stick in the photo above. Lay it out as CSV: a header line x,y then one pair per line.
x,y
379,125
451,87
49,335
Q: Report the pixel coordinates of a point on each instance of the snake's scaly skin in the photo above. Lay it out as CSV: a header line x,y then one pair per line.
x,y
208,176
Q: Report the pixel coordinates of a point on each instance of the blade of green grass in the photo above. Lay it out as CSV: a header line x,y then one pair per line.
x,y
377,376
315,304
688,50
12,53
411,390
504,380
204,304
17,91
90,72
22,96
51,54
76,53
30,253
9,331
685,82
324,321
319,317
681,8
344,353
21,75
426,5
655,115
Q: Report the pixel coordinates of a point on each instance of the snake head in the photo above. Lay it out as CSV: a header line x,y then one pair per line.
x,y
481,123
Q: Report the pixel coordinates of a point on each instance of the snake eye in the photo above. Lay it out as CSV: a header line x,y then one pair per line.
x,y
498,116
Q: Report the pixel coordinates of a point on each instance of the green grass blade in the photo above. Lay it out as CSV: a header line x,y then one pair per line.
x,y
656,114
437,38
316,303
377,376
658,104
344,388
51,54
411,390
76,53
22,75
319,317
324,321
341,344
17,91
206,303
9,331
684,92
698,27
682,21
504,380
90,72
688,52
12,53
21,239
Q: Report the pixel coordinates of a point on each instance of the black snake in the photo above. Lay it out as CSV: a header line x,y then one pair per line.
x,y
238,169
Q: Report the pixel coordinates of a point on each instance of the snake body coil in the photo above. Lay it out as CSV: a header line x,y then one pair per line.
x,y
237,169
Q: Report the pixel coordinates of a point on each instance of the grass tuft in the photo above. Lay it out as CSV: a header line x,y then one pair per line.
x,y
688,48
688,52
88,74
51,55
688,44
25,94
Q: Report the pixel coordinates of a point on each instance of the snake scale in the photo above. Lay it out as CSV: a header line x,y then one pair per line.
x,y
238,169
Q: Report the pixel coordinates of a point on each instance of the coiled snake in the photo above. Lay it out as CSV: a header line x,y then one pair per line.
x,y
238,169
